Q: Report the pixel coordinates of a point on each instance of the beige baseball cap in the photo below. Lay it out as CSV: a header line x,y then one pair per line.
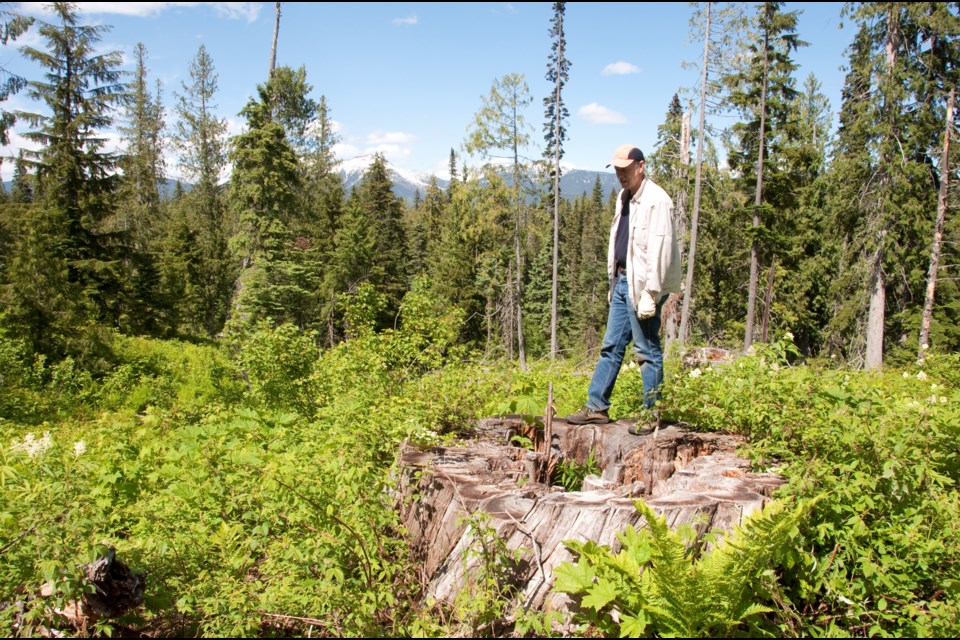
x,y
625,155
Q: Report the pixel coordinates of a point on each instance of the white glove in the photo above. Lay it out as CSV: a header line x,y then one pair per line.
x,y
647,308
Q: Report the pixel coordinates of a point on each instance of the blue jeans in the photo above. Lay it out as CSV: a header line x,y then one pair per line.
x,y
622,327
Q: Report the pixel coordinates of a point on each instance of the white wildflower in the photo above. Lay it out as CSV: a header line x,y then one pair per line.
x,y
79,448
943,399
921,375
906,375
32,446
775,367
788,335
933,386
696,373
924,346
933,399
631,365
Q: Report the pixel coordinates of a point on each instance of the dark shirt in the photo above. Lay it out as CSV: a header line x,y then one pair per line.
x,y
623,232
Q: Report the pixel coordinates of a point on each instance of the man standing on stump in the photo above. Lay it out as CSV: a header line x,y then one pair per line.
x,y
643,265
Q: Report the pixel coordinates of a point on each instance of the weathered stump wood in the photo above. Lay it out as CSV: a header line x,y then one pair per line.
x,y
687,477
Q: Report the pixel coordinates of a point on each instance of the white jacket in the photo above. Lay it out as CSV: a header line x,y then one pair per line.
x,y
653,252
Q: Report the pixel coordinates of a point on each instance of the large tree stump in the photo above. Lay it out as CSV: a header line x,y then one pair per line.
x,y
687,477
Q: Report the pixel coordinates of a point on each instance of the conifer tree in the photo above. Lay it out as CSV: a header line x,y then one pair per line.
x,y
500,130
322,201
555,132
891,121
292,107
376,207
469,265
669,164
12,26
262,194
719,29
800,302
200,138
452,185
425,227
21,188
762,91
138,199
74,176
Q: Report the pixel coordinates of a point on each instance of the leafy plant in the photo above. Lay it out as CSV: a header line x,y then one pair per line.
x,y
570,474
656,585
486,598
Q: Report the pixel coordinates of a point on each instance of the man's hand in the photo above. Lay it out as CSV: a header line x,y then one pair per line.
x,y
647,308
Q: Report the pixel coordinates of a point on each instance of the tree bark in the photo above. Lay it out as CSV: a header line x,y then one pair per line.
x,y
691,257
276,33
768,301
878,295
927,317
757,200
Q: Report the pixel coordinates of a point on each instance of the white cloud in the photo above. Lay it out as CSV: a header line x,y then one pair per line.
x,y
390,151
620,68
248,11
235,126
10,152
390,138
404,22
442,169
599,114
345,151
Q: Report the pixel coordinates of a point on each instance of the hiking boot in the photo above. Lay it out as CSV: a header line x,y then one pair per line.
x,y
647,424
641,429
588,416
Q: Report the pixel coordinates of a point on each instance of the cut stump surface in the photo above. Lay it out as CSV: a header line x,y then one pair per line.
x,y
685,476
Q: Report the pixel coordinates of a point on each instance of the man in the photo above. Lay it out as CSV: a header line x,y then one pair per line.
x,y
643,265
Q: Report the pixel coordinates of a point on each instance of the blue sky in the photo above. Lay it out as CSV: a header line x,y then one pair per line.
x,y
406,79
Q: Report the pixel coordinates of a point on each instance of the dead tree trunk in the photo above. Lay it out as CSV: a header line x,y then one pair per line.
x,y
927,317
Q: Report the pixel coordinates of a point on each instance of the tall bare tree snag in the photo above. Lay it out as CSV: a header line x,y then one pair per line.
x,y
927,316
691,256
276,34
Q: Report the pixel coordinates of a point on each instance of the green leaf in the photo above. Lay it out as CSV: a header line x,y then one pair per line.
x,y
573,578
600,594
633,626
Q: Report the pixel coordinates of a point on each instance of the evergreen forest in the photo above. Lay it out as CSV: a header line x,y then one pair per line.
x,y
214,381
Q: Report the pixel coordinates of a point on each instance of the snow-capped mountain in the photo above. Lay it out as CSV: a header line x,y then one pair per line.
x,y
405,182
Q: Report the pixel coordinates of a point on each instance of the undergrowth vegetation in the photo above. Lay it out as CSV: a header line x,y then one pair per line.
x,y
252,483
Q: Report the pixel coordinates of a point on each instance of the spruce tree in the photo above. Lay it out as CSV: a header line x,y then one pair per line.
x,y
669,165
21,187
885,195
12,26
262,195
74,176
555,133
321,198
762,92
200,138
137,210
